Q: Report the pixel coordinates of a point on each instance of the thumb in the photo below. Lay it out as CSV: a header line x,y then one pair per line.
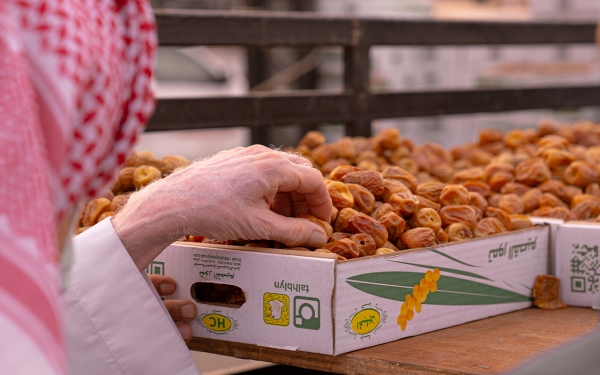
x,y
293,231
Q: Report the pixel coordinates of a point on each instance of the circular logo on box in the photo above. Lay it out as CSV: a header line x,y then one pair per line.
x,y
365,321
216,322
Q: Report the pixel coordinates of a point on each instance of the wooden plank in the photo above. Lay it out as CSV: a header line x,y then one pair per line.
x,y
489,346
438,33
253,110
268,29
409,104
356,81
250,28
308,106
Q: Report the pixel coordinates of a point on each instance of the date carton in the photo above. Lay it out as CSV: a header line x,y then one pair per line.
x,y
314,303
578,263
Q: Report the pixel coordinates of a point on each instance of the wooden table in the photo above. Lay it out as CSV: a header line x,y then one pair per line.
x,y
489,346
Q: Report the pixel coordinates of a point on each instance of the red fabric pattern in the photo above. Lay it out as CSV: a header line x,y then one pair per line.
x,y
75,92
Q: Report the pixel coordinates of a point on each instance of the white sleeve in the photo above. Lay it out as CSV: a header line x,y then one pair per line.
x,y
116,322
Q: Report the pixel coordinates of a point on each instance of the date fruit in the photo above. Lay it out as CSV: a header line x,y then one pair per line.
x,y
515,188
463,214
550,200
340,195
418,237
389,139
555,212
361,223
399,174
93,210
145,174
383,250
371,180
458,232
585,210
511,203
338,236
341,223
489,226
312,139
366,244
454,194
520,222
441,237
478,201
364,201
344,247
470,174
383,210
430,190
580,174
499,179
426,203
126,178
338,173
394,225
531,200
323,153
406,203
478,187
427,218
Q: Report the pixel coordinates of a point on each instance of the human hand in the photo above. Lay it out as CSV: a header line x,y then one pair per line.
x,y
181,311
244,193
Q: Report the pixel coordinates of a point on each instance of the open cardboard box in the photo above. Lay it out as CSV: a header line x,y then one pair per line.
x,y
312,302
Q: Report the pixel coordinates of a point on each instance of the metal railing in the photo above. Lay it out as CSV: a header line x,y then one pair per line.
x,y
355,105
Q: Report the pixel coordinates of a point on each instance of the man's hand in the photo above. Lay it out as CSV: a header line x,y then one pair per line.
x,y
244,193
181,311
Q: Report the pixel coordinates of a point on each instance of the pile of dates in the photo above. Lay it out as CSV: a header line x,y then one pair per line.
x,y
390,195
140,169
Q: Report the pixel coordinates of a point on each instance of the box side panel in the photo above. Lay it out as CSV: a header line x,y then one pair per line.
x,y
578,264
477,279
554,223
288,298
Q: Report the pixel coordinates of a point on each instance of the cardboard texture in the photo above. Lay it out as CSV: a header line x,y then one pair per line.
x,y
554,223
321,305
578,263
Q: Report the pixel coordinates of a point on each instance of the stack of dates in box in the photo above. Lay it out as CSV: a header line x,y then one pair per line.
x,y
389,194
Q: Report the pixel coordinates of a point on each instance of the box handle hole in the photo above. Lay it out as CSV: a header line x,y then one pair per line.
x,y
218,294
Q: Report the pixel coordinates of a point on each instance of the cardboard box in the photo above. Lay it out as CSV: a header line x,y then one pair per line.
x,y
578,263
298,301
553,223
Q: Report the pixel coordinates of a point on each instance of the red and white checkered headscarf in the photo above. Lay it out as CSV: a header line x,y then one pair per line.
x,y
75,92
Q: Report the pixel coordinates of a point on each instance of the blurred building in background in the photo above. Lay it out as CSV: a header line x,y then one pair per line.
x,y
446,68
231,71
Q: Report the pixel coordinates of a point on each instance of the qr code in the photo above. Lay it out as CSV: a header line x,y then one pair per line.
x,y
585,269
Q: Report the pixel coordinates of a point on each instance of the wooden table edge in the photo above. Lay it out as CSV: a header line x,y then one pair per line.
x,y
364,362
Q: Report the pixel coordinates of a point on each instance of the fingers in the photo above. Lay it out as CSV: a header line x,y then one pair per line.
x,y
185,331
164,285
305,184
291,231
181,310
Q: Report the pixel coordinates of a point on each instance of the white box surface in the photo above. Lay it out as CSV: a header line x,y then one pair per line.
x,y
554,224
316,304
578,263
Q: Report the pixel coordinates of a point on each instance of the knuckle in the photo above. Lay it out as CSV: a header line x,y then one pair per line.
x,y
258,148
